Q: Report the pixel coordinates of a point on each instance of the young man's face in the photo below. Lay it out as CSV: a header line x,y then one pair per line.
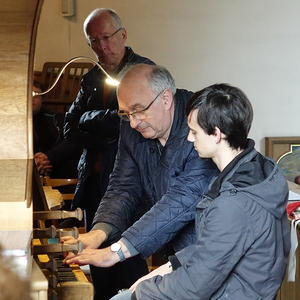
x,y
204,144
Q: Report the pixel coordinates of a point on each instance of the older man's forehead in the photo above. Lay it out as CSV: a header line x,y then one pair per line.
x,y
133,96
100,25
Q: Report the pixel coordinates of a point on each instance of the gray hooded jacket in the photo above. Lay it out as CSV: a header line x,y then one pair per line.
x,y
242,238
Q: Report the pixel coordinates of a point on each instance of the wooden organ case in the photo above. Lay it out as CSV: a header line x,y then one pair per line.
x,y
18,23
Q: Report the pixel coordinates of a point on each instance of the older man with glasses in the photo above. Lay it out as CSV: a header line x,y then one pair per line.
x,y
106,36
157,179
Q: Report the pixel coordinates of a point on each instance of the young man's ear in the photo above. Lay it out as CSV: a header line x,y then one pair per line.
x,y
218,135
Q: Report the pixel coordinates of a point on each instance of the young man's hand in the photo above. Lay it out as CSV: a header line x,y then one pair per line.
x,y
162,270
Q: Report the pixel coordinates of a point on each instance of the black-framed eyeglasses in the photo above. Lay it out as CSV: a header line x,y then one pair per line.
x,y
105,38
138,115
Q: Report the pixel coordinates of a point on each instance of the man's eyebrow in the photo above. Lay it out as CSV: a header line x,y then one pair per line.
x,y
97,36
135,106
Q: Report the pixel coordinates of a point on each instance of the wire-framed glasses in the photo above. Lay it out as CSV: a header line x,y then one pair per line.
x,y
96,41
139,114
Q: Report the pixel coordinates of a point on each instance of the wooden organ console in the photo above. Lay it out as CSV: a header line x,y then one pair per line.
x,y
64,281
40,260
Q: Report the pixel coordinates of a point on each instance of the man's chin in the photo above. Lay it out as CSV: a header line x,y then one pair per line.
x,y
147,134
107,65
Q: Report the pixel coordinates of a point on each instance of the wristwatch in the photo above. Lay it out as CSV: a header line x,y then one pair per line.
x,y
116,248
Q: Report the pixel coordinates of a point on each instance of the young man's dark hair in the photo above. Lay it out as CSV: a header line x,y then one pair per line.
x,y
225,107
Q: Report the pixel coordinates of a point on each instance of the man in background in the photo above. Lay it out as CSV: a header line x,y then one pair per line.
x,y
53,155
106,36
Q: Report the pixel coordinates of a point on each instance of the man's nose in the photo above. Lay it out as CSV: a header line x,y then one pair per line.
x,y
101,44
133,122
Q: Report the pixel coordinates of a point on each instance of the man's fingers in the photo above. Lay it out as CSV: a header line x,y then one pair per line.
x,y
79,259
69,255
95,257
68,240
45,164
133,287
39,154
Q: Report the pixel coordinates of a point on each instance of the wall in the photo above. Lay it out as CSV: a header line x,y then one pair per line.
x,y
250,44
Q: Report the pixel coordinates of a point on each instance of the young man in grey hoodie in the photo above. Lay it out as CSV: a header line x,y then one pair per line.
x,y
242,228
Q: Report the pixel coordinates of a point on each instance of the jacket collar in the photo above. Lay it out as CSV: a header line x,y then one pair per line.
x,y
128,58
179,124
215,187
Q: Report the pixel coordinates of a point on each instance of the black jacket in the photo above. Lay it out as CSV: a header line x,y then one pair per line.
x,y
99,137
48,138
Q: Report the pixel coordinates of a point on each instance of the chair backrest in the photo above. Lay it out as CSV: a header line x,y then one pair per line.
x,y
56,182
61,184
64,93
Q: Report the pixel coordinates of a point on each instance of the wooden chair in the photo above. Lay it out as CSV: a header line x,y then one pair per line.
x,y
56,182
67,197
64,93
59,182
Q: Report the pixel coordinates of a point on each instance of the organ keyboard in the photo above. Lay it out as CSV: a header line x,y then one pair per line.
x,y
65,282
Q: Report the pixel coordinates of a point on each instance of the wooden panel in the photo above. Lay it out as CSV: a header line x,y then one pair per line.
x,y
18,24
16,57
286,152
277,146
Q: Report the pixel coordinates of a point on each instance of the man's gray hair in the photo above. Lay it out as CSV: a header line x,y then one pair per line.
x,y
160,79
97,12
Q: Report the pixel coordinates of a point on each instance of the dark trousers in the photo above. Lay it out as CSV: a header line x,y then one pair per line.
x,y
108,281
93,192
